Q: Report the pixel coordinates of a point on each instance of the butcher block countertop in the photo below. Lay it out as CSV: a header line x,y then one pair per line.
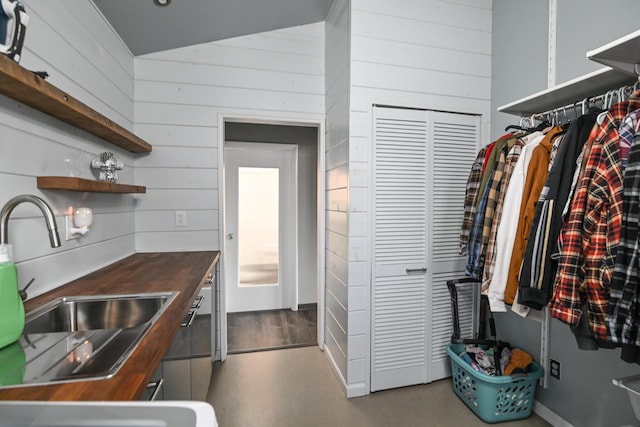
x,y
185,272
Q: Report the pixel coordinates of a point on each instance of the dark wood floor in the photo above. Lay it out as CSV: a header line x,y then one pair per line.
x,y
272,329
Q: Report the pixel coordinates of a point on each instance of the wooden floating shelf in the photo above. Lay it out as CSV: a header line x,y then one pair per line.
x,y
22,85
86,185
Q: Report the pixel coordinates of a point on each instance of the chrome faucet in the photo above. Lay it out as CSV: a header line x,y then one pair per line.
x,y
46,211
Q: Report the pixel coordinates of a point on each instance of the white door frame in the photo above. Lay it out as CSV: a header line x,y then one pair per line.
x,y
321,188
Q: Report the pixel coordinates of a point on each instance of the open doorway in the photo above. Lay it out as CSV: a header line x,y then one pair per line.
x,y
282,309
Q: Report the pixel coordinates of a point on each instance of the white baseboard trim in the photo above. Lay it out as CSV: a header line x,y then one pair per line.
x,y
549,416
357,390
350,390
336,371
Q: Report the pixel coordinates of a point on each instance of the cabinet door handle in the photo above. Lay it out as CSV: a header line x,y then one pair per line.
x,y
157,386
189,320
415,270
197,302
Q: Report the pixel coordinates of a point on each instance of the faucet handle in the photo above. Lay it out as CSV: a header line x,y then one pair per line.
x,y
23,291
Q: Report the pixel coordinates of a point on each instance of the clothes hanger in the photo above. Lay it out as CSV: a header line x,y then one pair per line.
x,y
520,126
542,125
514,127
538,117
530,126
555,122
618,95
567,120
635,95
603,114
605,101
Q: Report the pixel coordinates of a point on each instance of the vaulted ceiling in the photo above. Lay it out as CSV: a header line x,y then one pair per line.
x,y
146,27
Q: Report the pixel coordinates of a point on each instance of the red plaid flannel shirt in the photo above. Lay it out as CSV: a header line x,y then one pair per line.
x,y
591,234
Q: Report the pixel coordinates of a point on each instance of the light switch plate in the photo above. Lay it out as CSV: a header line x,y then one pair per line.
x,y
181,218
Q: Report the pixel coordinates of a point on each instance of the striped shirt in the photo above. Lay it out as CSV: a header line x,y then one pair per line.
x,y
510,163
477,243
495,189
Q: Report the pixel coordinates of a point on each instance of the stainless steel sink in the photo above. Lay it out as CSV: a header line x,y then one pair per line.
x,y
72,314
80,338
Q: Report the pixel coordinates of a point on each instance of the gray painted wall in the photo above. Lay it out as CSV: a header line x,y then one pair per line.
x,y
586,25
518,55
585,395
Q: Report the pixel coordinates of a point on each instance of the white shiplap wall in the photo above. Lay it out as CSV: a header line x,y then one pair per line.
x,y
71,41
178,97
430,54
337,54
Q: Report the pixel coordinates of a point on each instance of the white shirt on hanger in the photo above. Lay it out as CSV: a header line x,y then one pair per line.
x,y
506,233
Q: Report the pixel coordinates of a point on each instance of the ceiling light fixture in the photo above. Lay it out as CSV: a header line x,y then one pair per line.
x,y
162,2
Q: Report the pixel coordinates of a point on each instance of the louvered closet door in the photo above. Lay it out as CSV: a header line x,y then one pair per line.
x,y
400,293
455,141
415,241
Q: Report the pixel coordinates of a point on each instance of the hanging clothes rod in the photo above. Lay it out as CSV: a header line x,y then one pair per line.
x,y
577,108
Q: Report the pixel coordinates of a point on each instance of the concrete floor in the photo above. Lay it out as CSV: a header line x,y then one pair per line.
x,y
297,387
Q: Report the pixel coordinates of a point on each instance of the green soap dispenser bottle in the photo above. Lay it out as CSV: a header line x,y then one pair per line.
x,y
11,307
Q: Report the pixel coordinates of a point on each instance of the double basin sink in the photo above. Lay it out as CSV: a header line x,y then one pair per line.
x,y
80,338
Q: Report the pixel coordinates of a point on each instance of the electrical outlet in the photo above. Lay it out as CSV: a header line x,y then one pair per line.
x,y
181,218
554,369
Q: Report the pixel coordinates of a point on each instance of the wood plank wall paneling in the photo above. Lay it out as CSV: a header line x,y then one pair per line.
x,y
18,131
434,54
178,96
191,178
337,51
86,45
71,41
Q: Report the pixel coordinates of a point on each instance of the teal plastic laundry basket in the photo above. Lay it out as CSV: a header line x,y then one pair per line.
x,y
493,399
